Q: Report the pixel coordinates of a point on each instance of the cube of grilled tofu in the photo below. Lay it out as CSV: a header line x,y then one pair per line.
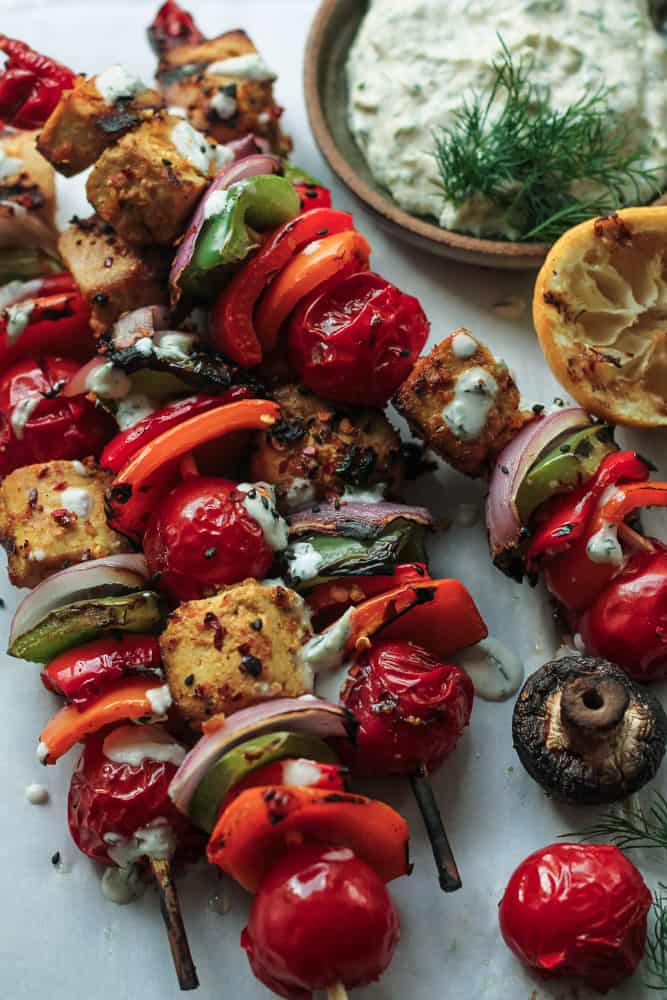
x,y
227,101
84,123
147,185
463,403
25,177
237,648
115,277
52,516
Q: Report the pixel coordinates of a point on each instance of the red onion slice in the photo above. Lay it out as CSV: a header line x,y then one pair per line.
x,y
329,518
305,714
240,170
21,228
124,571
143,322
502,517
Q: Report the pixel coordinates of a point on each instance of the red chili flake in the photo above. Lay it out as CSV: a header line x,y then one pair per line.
x,y
212,621
64,517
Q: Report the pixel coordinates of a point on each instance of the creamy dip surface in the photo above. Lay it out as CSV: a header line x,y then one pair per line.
x,y
414,62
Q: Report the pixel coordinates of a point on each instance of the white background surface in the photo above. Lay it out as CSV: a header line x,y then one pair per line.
x,y
59,938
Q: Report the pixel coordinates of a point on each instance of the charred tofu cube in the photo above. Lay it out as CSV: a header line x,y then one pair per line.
x,y
25,177
235,649
225,87
115,277
463,403
147,185
52,516
92,116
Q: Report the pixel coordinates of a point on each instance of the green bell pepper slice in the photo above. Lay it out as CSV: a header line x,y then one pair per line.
x,y
238,763
229,235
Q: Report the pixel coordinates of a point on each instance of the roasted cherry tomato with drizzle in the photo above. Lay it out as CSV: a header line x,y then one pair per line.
x,y
410,707
38,424
322,917
357,339
121,786
80,675
30,84
202,536
627,622
577,910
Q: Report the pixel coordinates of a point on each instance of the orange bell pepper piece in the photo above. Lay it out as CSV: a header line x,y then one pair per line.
x,y
448,623
128,699
262,823
306,271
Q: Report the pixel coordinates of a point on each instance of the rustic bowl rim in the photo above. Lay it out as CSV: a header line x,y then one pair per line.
x,y
419,229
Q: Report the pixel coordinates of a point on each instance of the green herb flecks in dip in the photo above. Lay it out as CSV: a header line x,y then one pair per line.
x,y
577,124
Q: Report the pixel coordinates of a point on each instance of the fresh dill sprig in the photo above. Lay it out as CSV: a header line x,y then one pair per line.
x,y
515,152
633,829
656,943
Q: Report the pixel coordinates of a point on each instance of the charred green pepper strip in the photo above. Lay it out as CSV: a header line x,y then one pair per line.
x,y
82,621
313,559
566,465
227,237
243,760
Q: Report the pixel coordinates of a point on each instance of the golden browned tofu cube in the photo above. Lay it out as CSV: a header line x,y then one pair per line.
x,y
225,87
147,185
25,177
463,403
92,116
115,277
237,648
52,516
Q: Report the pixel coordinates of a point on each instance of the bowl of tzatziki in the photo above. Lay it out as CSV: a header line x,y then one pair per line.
x,y
483,131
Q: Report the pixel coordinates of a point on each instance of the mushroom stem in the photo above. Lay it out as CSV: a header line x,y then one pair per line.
x,y
591,709
173,921
337,992
448,873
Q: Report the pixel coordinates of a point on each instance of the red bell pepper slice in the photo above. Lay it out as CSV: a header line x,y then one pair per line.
x,y
59,324
448,623
120,449
232,324
570,515
328,601
312,195
126,699
80,675
172,27
30,84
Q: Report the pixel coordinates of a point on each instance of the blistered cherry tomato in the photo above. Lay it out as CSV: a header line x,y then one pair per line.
x,y
82,674
627,623
410,707
357,339
577,910
202,537
38,424
114,800
321,916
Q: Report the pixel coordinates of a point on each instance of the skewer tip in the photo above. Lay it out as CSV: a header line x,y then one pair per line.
x,y
173,921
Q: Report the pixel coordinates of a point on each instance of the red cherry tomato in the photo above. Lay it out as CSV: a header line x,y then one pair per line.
x,y
30,84
627,623
37,424
172,27
106,797
202,537
321,916
82,674
312,195
357,339
301,772
410,707
577,910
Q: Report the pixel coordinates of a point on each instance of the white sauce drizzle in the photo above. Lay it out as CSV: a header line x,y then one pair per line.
x,y
134,408
118,83
300,772
122,885
216,203
463,346
42,752
474,396
18,291
18,317
80,468
495,671
144,345
304,561
135,744
78,501
21,413
160,699
108,382
9,165
604,546
372,494
224,104
193,146
176,112
260,503
247,67
325,651
154,841
300,493
37,795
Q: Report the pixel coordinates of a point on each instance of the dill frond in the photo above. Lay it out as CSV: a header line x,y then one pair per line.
x,y
656,943
633,829
512,149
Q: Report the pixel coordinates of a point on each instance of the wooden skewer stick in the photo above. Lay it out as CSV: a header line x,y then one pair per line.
x,y
173,921
448,873
337,992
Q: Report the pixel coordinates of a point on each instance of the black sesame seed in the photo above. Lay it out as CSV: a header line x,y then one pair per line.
x,y
189,680
251,665
257,625
55,858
